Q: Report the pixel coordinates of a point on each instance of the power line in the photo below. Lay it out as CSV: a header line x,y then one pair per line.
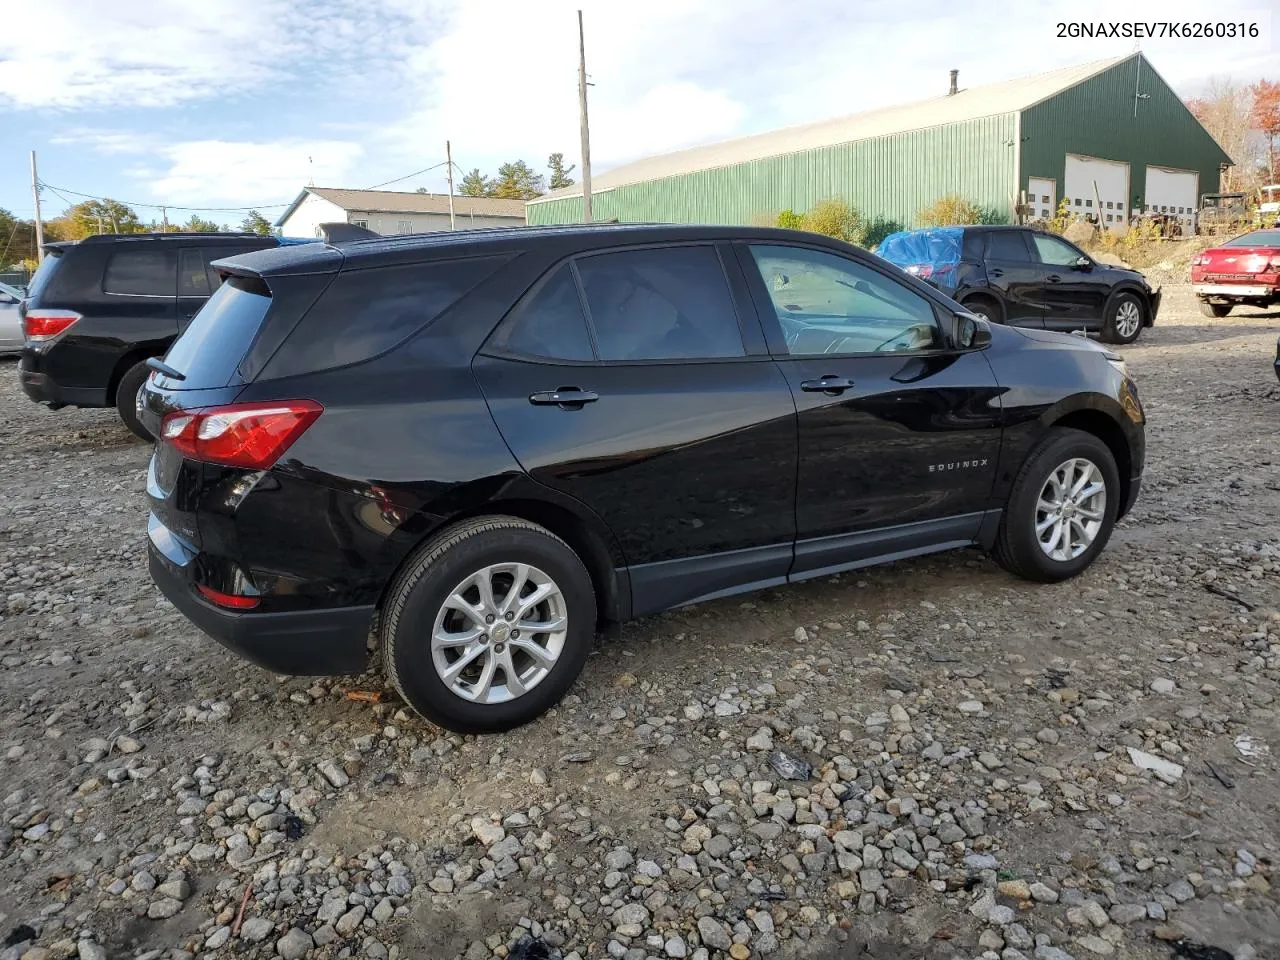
x,y
410,176
160,206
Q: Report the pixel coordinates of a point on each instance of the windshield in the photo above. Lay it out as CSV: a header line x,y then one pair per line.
x,y
40,279
209,350
1259,238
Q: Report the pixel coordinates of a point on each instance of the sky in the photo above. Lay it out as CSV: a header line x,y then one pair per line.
x,y
244,102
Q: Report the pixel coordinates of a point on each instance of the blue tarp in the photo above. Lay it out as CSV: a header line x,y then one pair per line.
x,y
930,254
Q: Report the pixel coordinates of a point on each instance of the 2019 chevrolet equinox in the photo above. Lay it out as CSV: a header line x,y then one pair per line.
x,y
478,446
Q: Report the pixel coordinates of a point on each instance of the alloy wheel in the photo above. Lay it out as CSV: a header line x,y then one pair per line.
x,y
1128,319
499,633
1071,509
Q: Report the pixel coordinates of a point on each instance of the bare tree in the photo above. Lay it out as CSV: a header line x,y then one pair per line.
x,y
1224,111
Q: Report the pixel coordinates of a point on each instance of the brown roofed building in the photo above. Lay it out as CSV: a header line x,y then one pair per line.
x,y
391,212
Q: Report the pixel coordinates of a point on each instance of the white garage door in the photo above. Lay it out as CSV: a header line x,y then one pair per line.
x,y
1090,182
1173,192
1042,198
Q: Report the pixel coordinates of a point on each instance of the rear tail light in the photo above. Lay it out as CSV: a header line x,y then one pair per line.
x,y
922,270
47,324
250,435
229,600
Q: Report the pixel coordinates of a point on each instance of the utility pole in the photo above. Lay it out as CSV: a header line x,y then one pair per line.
x,y
164,218
586,136
448,156
35,193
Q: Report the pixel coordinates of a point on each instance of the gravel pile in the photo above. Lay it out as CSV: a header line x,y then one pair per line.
x,y
925,760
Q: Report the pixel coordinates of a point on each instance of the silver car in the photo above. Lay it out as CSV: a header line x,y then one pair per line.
x,y
10,327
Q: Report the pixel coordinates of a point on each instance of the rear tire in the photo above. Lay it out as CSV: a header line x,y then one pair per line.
x,y
458,587
127,399
1025,541
985,308
1124,319
1215,310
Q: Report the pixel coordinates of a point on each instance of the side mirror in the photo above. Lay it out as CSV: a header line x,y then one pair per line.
x,y
5,298
1082,263
971,332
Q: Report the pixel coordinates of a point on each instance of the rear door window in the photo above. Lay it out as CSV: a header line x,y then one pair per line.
x,y
670,303
193,281
150,271
211,348
1007,245
551,324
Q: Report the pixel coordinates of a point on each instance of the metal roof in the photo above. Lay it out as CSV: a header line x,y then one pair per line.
x,y
395,201
970,104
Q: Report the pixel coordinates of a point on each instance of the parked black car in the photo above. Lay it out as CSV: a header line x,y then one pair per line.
x,y
488,442
97,309
1027,278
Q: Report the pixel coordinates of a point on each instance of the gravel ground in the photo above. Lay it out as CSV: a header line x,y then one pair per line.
x,y
976,743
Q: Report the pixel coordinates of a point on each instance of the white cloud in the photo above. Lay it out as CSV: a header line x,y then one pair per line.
x,y
245,90
226,173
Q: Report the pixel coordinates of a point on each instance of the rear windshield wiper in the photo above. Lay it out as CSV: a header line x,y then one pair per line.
x,y
155,363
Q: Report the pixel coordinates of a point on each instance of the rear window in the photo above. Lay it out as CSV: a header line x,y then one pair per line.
x,y
150,271
1259,238
366,312
44,274
211,348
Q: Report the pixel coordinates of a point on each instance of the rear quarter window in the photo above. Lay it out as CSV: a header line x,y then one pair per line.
x,y
365,312
150,271
43,276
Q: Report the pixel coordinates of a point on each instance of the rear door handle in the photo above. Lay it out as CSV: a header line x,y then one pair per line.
x,y
567,398
995,272
1054,278
829,383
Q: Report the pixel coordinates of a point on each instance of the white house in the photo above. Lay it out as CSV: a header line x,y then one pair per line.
x,y
390,212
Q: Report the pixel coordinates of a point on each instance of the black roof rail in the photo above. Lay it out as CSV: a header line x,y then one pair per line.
x,y
107,237
345,232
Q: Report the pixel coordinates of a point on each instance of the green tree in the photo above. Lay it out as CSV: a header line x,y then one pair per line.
x,y
475,184
254,222
90,217
559,172
516,181
198,224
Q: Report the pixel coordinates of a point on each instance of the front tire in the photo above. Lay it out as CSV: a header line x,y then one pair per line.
x,y
489,625
1062,508
127,399
1123,321
1215,310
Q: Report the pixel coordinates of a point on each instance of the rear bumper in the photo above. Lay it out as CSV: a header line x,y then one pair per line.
x,y
42,388
317,642
1236,291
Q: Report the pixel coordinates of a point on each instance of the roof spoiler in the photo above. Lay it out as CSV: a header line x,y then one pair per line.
x,y
345,232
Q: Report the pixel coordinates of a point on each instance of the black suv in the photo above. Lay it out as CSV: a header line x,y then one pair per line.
x,y
482,444
1027,278
99,308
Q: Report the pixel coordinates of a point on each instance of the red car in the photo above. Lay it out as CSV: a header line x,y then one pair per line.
x,y
1243,270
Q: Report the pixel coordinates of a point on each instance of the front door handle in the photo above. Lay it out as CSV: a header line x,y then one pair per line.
x,y
1054,278
566,398
829,384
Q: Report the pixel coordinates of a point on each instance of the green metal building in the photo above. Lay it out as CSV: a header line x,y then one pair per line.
x,y
1110,137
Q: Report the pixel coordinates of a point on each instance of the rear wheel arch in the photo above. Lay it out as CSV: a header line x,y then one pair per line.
x,y
591,546
124,365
